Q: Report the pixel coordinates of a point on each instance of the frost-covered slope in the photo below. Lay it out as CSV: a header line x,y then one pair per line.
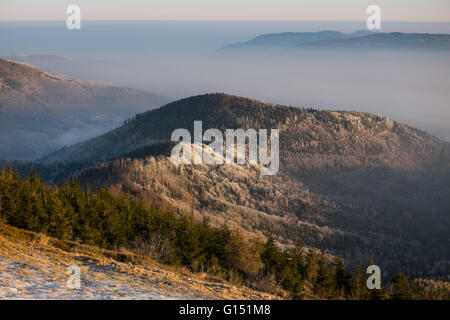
x,y
34,266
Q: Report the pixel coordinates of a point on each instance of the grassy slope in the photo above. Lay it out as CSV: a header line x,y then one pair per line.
x,y
34,266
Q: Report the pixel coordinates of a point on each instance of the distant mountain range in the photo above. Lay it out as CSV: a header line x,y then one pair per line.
x,y
394,40
290,39
41,112
363,39
350,183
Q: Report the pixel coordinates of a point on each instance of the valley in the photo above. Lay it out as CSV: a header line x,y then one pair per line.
x,y
41,112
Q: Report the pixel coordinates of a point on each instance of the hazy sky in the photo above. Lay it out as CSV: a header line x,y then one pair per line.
x,y
319,10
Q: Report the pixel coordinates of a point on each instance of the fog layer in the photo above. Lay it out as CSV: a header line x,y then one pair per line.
x,y
177,60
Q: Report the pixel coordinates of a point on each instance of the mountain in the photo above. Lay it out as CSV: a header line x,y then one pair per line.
x,y
287,40
350,183
41,112
34,267
364,39
394,40
35,59
380,140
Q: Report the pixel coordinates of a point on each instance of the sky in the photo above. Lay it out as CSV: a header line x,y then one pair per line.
x,y
290,10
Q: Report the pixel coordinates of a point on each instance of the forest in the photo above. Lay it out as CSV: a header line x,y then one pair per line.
x,y
107,220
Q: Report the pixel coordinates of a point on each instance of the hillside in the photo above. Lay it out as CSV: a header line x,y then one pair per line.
x,y
115,238
41,112
34,266
337,139
350,183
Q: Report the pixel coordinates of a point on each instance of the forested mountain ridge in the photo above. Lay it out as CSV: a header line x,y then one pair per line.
x,y
392,40
286,42
358,138
350,183
40,112
27,89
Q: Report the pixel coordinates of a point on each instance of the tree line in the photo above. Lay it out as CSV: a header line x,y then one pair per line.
x,y
101,218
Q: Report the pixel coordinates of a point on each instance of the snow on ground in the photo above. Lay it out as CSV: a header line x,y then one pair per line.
x,y
34,266
23,280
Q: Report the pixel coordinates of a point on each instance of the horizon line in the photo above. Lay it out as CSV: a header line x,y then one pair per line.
x,y
227,20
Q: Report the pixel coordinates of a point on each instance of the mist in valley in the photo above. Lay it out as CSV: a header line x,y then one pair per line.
x,y
177,60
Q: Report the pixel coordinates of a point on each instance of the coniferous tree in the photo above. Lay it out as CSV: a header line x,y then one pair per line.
x,y
324,281
360,290
401,287
341,277
312,266
271,256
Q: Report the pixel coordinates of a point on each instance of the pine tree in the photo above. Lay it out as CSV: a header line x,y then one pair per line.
x,y
297,256
271,256
341,277
312,266
324,281
360,290
401,287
